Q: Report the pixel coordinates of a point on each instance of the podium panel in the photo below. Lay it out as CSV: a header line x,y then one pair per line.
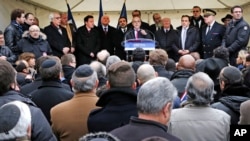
x,y
146,44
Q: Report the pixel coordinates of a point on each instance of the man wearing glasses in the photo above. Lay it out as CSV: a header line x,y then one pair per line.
x,y
57,36
236,35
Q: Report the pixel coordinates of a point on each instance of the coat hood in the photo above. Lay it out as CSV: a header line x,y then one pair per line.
x,y
27,35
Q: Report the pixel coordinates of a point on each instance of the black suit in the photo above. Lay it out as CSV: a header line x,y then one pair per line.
x,y
119,50
107,39
86,42
212,39
166,41
131,35
192,41
56,40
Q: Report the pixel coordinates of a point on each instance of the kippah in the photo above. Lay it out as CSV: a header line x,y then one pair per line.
x,y
9,116
48,63
84,71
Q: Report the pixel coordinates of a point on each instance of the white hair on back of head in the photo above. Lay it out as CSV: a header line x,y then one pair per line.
x,y
51,16
20,129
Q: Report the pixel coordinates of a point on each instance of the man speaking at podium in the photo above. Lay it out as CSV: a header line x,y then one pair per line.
x,y
137,33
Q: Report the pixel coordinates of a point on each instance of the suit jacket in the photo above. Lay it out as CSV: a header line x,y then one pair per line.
x,y
212,39
131,35
119,50
86,42
76,111
192,39
107,39
56,40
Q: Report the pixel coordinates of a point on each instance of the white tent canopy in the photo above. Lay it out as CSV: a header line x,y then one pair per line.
x,y
80,8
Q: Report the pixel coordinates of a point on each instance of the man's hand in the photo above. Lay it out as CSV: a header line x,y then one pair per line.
x,y
65,50
3,57
143,32
92,54
72,49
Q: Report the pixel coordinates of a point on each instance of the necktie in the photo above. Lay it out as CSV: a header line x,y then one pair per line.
x,y
184,38
136,34
105,30
209,28
60,30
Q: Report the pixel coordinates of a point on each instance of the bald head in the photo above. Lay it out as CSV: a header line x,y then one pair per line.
x,y
105,20
145,72
186,62
166,22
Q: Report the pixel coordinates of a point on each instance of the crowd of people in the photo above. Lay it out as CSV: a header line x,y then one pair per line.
x,y
66,83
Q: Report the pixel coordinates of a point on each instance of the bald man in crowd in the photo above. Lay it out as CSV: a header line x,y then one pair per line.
x,y
185,69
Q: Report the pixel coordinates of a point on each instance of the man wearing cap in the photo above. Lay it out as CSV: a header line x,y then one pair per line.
x,y
226,20
51,92
41,130
237,34
84,83
212,33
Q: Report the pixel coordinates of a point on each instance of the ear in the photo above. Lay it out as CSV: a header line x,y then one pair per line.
x,y
138,80
14,86
72,83
134,86
167,110
156,74
222,84
108,85
96,83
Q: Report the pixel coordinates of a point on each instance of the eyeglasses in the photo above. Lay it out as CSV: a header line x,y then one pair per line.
x,y
57,18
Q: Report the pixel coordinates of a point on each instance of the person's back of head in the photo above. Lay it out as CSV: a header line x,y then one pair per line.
x,y
22,66
145,72
68,60
155,138
102,56
200,89
158,57
230,76
84,79
99,68
8,77
15,121
155,97
171,65
196,55
39,62
99,136
186,62
50,69
222,53
121,74
244,113
138,54
112,59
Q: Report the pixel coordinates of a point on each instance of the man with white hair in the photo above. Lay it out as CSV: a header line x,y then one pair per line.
x,y
154,105
57,36
16,120
102,56
197,120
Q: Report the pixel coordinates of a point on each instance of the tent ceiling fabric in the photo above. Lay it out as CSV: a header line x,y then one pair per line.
x,y
116,5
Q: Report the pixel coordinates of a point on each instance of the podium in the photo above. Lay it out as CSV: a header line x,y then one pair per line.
x,y
131,44
146,44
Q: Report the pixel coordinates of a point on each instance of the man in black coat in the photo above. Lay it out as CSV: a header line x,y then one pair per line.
x,y
117,103
57,36
107,35
13,32
236,35
51,92
166,38
158,24
212,33
87,42
40,129
154,104
120,32
188,37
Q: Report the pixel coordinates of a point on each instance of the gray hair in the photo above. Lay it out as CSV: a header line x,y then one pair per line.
x,y
99,68
102,56
51,16
24,121
111,60
84,84
145,72
200,89
154,95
